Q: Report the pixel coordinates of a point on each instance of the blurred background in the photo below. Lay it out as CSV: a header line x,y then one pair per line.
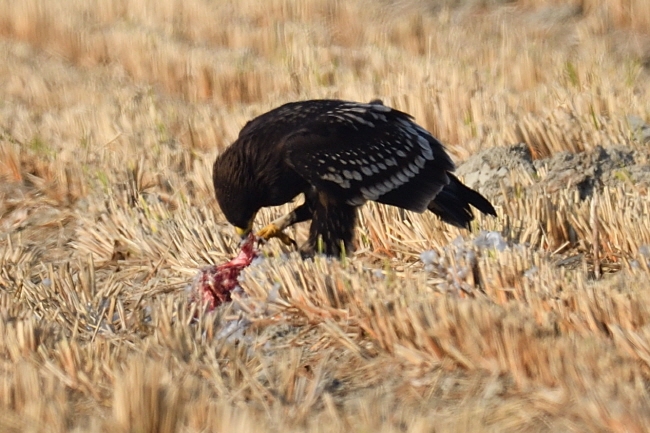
x,y
122,75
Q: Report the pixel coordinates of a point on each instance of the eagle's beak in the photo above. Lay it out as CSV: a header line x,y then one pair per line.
x,y
243,232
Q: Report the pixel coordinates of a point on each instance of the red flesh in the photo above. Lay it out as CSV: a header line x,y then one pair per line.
x,y
214,284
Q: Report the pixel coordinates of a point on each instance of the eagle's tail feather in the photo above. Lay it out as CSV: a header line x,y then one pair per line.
x,y
452,204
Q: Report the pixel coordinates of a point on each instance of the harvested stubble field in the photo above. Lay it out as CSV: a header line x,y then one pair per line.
x,y
111,114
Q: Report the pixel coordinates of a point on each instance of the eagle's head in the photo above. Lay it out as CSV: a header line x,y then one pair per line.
x,y
236,189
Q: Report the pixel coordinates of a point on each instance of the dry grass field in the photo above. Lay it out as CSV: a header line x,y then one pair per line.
x,y
111,115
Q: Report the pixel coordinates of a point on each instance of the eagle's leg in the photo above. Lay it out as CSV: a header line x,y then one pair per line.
x,y
332,228
275,229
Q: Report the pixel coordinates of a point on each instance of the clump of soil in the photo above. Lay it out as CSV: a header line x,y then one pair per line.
x,y
498,171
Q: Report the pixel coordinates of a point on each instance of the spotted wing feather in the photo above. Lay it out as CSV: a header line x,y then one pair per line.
x,y
361,152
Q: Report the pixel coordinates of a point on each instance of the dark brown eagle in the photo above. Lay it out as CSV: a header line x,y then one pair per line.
x,y
339,154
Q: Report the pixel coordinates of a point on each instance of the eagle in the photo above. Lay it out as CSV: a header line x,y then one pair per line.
x,y
339,154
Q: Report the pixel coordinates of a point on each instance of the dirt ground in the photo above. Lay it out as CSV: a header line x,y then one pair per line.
x,y
111,115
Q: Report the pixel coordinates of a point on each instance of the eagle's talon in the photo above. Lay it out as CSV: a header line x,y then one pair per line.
x,y
273,231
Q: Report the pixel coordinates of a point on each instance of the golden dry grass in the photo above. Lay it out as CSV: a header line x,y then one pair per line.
x,y
111,114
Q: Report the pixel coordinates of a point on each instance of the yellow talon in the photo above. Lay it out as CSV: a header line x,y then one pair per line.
x,y
273,231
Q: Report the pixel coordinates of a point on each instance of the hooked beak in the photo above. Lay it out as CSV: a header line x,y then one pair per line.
x,y
243,232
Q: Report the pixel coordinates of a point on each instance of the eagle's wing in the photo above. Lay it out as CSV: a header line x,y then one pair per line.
x,y
358,152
